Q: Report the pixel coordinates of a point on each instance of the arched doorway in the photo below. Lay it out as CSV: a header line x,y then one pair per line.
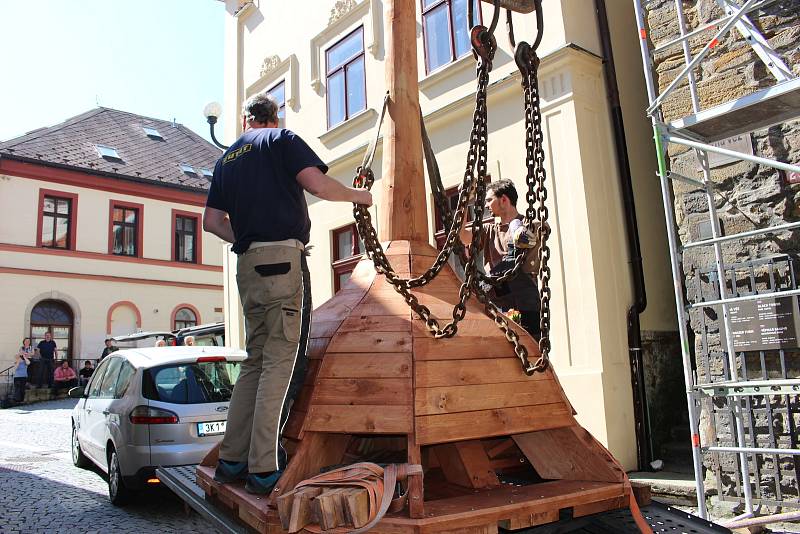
x,y
55,317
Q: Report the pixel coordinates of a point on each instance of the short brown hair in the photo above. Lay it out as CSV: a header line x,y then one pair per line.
x,y
260,108
504,187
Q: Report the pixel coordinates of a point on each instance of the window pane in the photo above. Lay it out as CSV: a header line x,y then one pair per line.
x,y
344,245
192,383
356,99
117,239
130,241
437,37
49,204
62,229
130,216
47,231
124,380
188,224
110,379
427,3
179,223
119,214
336,98
461,25
279,94
345,50
185,314
62,205
188,248
344,277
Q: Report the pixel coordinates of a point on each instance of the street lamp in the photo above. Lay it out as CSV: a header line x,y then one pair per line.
x,y
212,111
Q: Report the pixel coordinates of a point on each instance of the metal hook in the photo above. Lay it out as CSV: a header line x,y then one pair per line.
x,y
510,29
539,24
495,17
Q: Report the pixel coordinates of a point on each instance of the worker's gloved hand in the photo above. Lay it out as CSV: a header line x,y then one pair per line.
x,y
521,237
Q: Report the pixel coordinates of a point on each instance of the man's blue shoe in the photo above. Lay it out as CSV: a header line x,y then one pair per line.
x,y
262,484
230,471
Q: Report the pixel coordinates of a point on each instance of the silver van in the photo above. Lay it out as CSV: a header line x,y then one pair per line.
x,y
150,407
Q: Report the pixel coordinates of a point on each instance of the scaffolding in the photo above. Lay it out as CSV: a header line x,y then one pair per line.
x,y
748,403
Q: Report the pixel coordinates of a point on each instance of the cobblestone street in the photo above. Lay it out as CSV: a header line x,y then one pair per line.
x,y
41,491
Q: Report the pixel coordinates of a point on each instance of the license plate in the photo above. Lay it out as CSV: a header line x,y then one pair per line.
x,y
211,429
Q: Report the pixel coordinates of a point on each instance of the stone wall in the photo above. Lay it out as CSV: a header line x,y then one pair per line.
x,y
749,196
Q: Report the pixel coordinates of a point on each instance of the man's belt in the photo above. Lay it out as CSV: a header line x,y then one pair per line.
x,y
295,243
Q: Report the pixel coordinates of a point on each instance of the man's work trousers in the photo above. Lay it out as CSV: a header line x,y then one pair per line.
x,y
271,289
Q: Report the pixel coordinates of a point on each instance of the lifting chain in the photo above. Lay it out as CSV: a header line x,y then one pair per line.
x,y
484,46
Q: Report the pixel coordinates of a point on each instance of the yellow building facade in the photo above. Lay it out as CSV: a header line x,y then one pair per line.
x,y
308,53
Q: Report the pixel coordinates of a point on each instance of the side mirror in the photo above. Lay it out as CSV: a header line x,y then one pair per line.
x,y
76,393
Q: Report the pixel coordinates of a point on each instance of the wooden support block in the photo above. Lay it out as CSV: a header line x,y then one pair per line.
x,y
211,459
299,512
416,487
328,510
642,493
501,448
356,506
565,454
466,464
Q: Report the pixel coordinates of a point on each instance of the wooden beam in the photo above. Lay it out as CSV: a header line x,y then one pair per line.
x,y
465,463
403,213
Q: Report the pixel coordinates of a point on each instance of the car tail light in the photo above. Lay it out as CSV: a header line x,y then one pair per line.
x,y
146,415
206,359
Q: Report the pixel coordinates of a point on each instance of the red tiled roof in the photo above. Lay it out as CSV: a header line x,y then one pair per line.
x,y
142,158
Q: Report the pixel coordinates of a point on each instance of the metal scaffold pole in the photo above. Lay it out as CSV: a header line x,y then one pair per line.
x,y
697,131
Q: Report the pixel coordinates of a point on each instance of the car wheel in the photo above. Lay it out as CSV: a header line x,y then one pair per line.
x,y
78,458
118,493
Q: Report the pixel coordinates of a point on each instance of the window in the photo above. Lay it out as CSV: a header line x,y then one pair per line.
x,y
57,221
109,384
97,378
124,380
347,251
452,199
445,30
347,84
208,173
125,234
185,237
152,133
191,383
188,169
278,92
184,317
107,152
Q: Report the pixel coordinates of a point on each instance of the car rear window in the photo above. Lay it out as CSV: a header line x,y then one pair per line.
x,y
191,383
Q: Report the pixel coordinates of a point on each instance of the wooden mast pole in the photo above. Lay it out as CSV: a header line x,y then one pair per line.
x,y
403,215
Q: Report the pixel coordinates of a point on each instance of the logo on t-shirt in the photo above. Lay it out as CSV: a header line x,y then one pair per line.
x,y
236,153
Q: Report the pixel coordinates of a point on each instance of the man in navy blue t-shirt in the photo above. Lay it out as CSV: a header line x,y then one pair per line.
x,y
46,350
257,202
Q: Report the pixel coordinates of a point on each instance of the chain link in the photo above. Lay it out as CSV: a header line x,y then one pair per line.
x,y
475,181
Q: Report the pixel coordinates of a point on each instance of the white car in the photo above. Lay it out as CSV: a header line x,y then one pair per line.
x,y
150,407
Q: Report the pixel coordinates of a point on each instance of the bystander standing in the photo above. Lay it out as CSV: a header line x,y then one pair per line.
x,y
46,350
109,348
23,360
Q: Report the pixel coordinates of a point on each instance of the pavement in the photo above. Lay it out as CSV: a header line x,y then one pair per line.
x,y
42,492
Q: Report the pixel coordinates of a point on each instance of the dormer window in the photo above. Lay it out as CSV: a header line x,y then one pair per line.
x,y
188,169
107,152
152,133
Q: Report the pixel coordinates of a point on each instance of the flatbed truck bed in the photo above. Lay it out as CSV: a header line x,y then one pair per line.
x,y
662,518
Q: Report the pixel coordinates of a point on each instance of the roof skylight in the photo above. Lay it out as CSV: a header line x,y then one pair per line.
x,y
188,169
208,173
152,132
107,152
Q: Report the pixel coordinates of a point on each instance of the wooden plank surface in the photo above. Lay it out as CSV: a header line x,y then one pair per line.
x,y
452,399
323,328
370,342
432,429
462,347
316,347
359,365
355,391
562,454
466,372
372,323
364,419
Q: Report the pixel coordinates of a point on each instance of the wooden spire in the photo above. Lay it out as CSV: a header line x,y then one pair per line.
x,y
403,212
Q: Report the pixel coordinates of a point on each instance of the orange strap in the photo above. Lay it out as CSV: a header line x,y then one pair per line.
x,y
644,526
377,481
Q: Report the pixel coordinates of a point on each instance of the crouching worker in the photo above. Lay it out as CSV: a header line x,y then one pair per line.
x,y
257,202
504,240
